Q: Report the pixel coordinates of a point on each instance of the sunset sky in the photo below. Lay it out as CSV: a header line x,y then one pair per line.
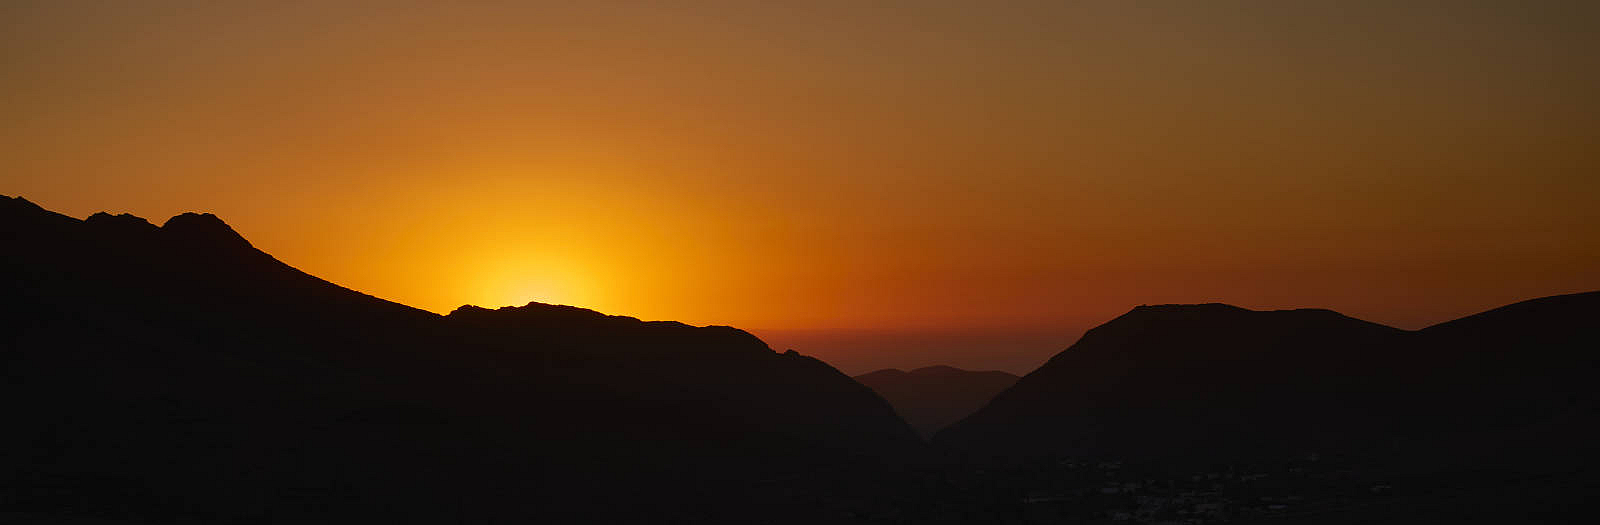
x,y
900,184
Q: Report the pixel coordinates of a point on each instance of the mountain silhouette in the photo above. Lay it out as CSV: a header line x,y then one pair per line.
x,y
933,397
176,373
1218,383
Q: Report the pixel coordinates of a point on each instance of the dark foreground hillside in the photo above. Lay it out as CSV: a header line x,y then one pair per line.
x,y
1164,383
175,374
1309,416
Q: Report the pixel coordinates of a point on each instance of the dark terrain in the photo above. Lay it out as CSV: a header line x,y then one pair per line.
x,y
1485,419
176,374
931,398
1220,382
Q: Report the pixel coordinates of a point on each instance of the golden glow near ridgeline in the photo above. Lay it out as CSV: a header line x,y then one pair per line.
x,y
860,183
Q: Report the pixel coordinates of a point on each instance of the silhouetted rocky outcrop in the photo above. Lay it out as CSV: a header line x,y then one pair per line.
x,y
178,374
933,397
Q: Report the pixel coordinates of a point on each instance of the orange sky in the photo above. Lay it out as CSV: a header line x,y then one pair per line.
x,y
897,185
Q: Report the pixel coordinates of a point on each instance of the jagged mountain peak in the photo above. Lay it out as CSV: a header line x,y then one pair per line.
x,y
20,213
126,222
204,228
532,308
19,202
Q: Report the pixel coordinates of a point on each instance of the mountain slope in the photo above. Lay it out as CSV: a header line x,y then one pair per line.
x,y
176,373
931,398
1305,416
1176,380
1218,382
1517,380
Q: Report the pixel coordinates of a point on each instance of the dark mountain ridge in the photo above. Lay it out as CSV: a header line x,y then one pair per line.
x,y
178,374
1216,382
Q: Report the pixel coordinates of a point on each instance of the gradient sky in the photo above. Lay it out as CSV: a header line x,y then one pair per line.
x,y
900,184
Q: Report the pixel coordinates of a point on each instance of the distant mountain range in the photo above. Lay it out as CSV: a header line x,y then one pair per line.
x,y
176,372
932,397
1216,383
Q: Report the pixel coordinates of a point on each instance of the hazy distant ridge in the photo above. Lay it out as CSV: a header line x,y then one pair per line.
x,y
933,397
